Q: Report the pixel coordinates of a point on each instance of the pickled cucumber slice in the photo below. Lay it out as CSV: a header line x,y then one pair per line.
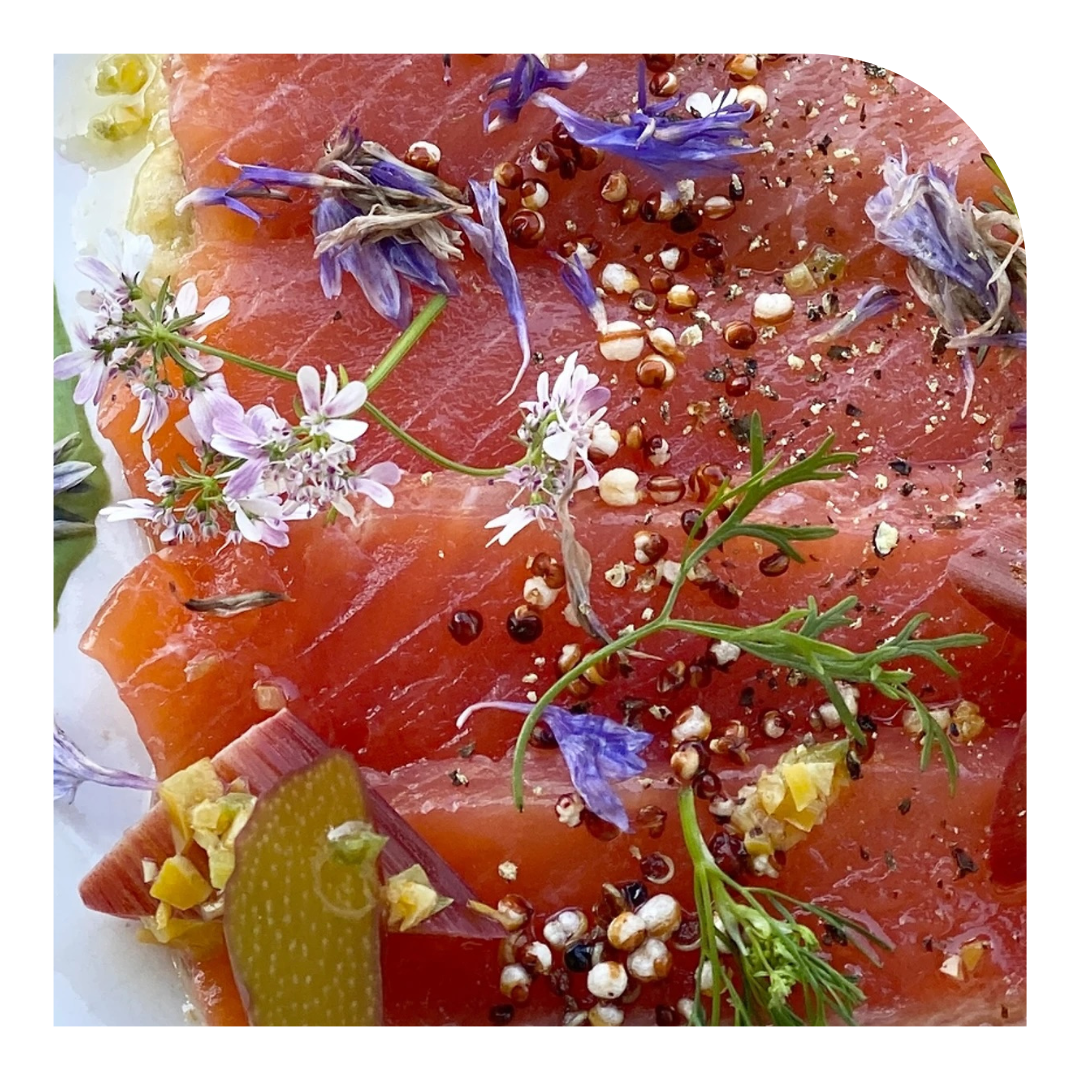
x,y
301,923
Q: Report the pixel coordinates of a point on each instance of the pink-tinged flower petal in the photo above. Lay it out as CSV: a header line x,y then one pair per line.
x,y
91,384
128,509
69,364
346,430
377,493
246,480
217,309
210,404
345,508
98,271
347,400
557,444
330,390
187,300
385,472
307,380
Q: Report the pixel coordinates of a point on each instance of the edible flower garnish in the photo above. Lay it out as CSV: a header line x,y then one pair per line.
x,y
258,472
874,302
955,263
672,150
130,336
556,431
598,752
578,283
529,75
71,768
488,239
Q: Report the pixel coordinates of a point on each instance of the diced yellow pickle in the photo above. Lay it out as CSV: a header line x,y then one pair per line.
x,y
184,790
237,809
180,884
799,280
222,863
822,773
758,845
207,816
410,899
806,818
800,783
770,790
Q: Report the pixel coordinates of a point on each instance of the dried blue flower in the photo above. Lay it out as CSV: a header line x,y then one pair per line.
x,y
876,301
956,265
672,150
578,283
71,767
377,218
529,75
230,197
488,240
598,752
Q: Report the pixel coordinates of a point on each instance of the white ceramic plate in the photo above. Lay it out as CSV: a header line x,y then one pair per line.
x,y
102,975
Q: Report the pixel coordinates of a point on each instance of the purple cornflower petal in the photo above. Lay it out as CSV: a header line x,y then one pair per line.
x,y
1017,340
413,261
577,281
227,197
598,752
528,76
489,241
265,175
874,302
71,768
952,265
369,264
918,215
390,175
671,150
378,279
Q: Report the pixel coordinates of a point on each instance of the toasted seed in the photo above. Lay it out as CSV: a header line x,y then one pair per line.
x,y
615,187
718,207
508,175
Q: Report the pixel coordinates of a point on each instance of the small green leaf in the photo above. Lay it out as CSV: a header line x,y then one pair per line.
x,y
72,545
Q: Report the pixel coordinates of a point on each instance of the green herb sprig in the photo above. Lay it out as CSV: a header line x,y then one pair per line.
x,y
757,953
794,639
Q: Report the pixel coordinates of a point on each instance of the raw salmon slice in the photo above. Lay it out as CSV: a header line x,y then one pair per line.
x,y
889,398
365,646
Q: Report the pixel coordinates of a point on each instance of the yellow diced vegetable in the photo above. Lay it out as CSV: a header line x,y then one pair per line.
x,y
185,790
222,864
410,899
180,884
800,783
770,790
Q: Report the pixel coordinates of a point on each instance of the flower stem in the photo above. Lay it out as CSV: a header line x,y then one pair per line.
x,y
393,356
234,358
409,337
432,455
